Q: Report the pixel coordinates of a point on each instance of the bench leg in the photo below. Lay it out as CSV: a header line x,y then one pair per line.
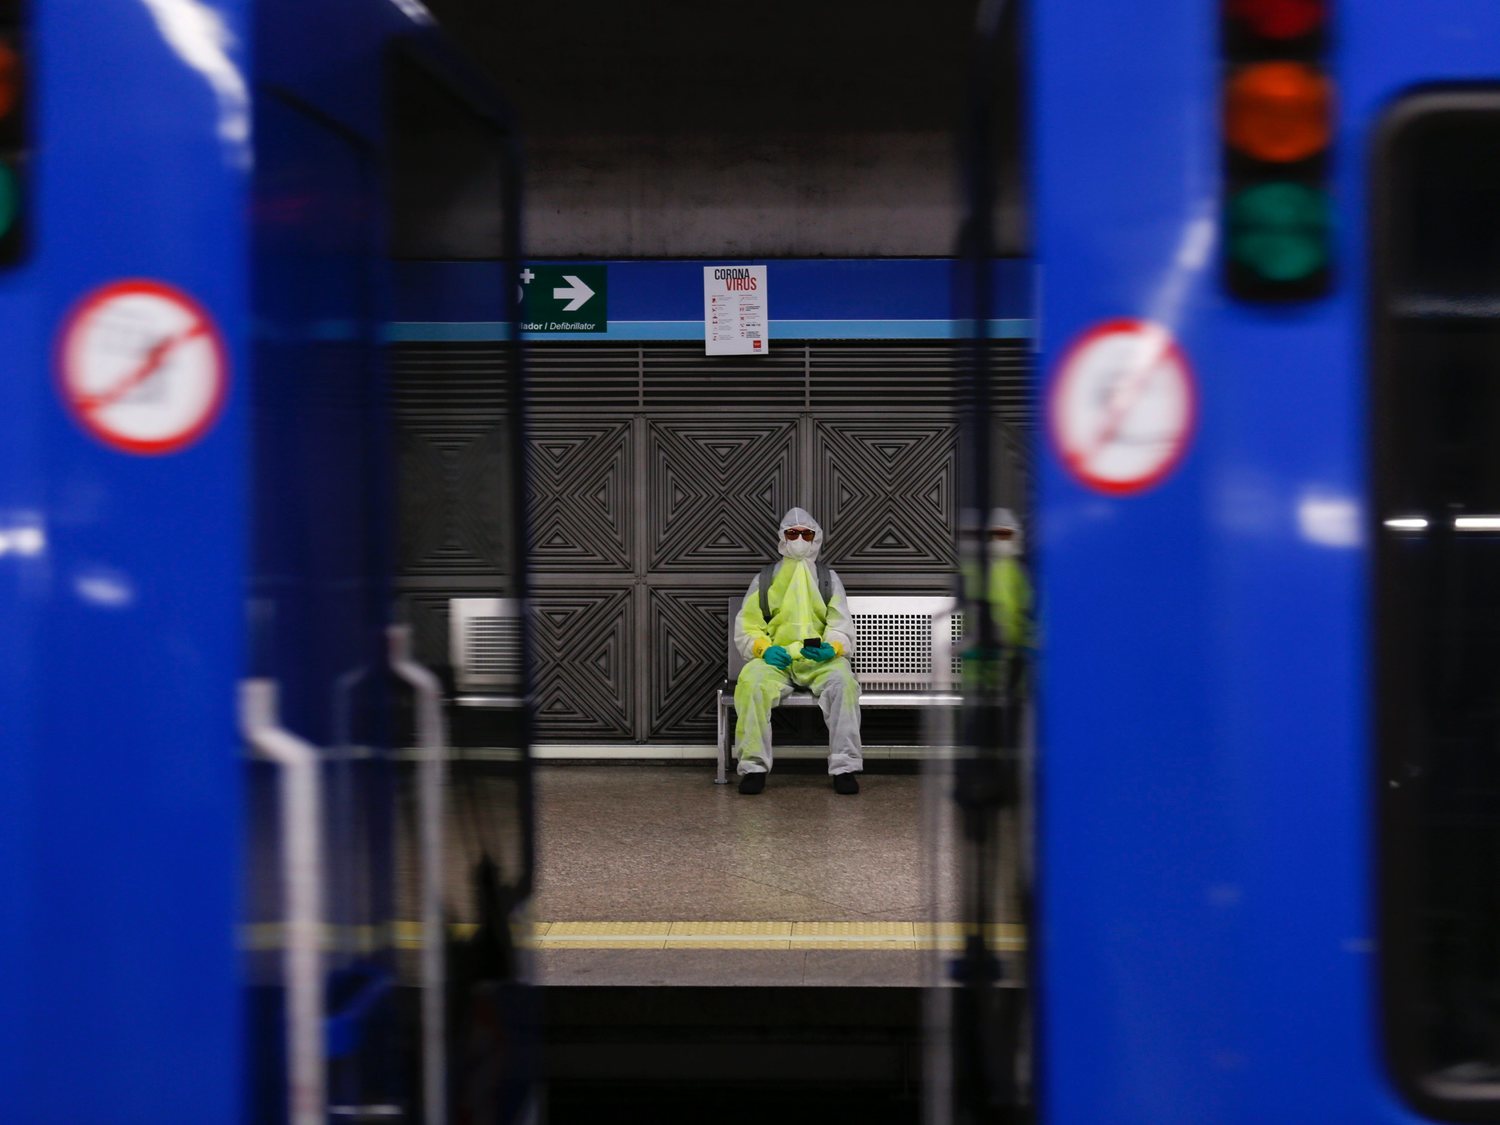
x,y
723,752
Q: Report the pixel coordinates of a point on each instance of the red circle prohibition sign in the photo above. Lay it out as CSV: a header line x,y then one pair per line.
x,y
1123,406
142,367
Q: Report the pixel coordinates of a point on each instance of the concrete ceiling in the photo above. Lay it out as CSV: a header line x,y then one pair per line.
x,y
675,65
829,113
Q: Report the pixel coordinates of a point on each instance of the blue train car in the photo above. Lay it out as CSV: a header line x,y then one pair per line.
x,y
1269,285
200,201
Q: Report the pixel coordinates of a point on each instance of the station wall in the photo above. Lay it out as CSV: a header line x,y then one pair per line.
x,y
658,477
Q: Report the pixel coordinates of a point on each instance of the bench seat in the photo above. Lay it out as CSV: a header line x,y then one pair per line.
x,y
905,655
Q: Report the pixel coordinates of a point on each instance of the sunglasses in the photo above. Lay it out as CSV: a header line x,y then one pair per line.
x,y
1003,533
806,532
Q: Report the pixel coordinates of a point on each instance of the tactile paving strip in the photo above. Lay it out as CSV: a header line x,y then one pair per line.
x,y
730,935
604,935
677,935
853,935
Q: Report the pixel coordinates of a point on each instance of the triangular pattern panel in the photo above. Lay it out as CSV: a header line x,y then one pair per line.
x,y
688,627
579,495
717,491
585,667
887,500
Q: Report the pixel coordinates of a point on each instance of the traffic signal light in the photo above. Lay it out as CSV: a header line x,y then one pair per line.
x,y
13,132
1278,118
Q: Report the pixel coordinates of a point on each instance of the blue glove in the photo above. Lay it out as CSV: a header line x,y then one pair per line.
x,y
822,654
777,657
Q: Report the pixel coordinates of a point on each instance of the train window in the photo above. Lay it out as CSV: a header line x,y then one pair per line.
x,y
1435,183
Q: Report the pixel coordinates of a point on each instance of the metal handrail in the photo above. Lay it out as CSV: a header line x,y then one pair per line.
x,y
432,779
302,872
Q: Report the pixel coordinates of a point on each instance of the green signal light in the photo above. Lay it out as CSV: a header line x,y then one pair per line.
x,y
10,198
1279,231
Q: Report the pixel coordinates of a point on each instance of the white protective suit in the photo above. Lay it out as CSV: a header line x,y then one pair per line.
x,y
798,611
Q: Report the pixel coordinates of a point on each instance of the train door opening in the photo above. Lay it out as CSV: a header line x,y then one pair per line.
x,y
459,491
317,615
386,875
656,480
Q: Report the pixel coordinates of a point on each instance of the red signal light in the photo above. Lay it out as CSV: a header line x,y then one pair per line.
x,y
1279,19
10,79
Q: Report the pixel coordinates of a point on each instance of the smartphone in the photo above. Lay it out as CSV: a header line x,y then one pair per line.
x,y
811,642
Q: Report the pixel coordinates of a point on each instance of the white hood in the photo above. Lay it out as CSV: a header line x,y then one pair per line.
x,y
799,517
1002,518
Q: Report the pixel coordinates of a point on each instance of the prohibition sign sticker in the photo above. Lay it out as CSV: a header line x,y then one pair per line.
x,y
143,367
1123,406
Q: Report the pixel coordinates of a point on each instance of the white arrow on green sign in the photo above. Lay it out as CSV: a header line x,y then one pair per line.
x,y
565,298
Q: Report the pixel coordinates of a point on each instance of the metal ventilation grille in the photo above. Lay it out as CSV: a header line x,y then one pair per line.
x,y
955,646
859,375
681,375
448,377
485,643
568,376
1010,373
894,650
812,375
492,650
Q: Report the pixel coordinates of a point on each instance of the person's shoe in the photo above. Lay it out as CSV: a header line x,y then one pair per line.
x,y
846,784
753,783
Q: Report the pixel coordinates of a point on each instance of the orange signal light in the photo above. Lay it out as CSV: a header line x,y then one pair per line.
x,y
1279,112
11,76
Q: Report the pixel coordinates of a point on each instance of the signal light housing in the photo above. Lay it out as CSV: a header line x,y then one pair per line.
x,y
1274,23
14,141
1278,120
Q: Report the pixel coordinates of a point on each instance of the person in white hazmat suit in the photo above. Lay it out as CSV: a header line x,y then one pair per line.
x,y
789,604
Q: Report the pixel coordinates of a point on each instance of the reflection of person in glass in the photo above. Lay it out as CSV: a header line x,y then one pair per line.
x,y
794,630
1007,591
1009,587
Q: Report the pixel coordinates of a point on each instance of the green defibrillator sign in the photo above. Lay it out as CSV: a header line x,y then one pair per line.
x,y
564,299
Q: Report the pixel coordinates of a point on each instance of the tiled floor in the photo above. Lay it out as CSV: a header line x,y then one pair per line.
x,y
664,844
653,874
702,886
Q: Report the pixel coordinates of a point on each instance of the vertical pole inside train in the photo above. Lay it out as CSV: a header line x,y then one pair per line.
x,y
987,1016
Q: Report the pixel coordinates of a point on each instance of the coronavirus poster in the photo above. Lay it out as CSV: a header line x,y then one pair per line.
x,y
734,310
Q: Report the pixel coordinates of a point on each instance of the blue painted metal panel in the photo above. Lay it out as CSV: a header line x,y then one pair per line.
x,y
330,53
123,578
1205,911
847,299
119,782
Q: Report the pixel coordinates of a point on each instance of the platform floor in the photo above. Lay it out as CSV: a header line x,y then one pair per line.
x,y
652,875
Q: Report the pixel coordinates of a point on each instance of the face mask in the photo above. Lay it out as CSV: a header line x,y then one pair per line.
x,y
1008,549
799,549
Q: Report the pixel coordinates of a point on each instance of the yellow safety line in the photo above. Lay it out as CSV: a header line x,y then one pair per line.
x,y
1001,936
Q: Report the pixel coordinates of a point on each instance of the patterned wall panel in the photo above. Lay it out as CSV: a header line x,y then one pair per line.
x,y
660,496
717,490
687,642
580,502
453,497
886,493
585,663
427,614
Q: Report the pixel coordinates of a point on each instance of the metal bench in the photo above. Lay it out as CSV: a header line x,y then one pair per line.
x,y
906,654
